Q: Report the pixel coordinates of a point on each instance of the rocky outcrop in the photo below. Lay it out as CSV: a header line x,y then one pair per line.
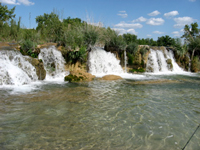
x,y
79,75
110,77
38,64
9,46
169,64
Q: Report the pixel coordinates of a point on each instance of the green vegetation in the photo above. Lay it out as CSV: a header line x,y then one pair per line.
x,y
140,70
73,78
77,37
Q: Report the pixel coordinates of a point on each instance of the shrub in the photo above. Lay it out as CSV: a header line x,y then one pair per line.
x,y
137,70
195,65
90,37
28,47
130,59
132,48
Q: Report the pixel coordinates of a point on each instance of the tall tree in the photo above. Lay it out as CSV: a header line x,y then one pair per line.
x,y
5,13
129,38
50,25
192,37
165,41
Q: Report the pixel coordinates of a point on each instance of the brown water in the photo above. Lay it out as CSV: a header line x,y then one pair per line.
x,y
125,114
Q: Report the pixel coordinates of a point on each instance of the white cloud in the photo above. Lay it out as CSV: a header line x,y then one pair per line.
x,y
131,31
17,2
123,11
176,33
26,2
155,21
128,25
171,14
149,35
140,19
123,14
122,31
9,2
192,0
98,24
182,21
154,13
157,32
182,30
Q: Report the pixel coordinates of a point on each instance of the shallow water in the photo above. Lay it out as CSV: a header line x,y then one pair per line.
x,y
124,114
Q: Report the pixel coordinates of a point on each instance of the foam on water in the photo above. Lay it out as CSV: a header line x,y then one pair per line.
x,y
102,62
18,75
157,63
15,69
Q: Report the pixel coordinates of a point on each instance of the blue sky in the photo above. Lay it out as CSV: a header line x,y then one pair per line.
x,y
145,18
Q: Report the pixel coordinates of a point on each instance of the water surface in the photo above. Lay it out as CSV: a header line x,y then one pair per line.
x,y
124,114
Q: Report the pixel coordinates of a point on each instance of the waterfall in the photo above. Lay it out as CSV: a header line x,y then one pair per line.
x,y
54,63
102,62
162,62
15,69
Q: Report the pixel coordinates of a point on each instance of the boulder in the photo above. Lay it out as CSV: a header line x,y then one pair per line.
x,y
110,77
169,64
38,64
79,75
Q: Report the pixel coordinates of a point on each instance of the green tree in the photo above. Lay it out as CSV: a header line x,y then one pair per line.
x,y
73,22
5,13
132,48
50,27
166,41
112,39
129,38
192,37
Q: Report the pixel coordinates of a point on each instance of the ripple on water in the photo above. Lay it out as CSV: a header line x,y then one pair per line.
x,y
102,115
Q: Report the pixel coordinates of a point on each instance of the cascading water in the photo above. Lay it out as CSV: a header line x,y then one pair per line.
x,y
15,69
162,62
102,62
53,63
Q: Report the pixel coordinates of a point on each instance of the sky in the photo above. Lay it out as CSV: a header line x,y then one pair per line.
x,y
144,18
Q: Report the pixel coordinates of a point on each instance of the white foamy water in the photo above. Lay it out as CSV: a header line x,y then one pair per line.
x,y
18,75
54,64
157,63
15,69
103,63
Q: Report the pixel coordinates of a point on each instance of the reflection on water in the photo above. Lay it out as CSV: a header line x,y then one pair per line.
x,y
123,114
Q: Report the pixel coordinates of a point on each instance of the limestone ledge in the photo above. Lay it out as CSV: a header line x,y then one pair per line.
x,y
110,77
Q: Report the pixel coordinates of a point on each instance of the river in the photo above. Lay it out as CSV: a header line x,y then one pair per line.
x,y
157,113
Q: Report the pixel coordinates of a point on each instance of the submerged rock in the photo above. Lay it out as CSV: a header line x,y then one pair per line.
x,y
110,77
79,75
161,81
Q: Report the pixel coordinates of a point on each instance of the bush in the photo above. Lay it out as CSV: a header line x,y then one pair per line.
x,y
90,37
72,56
116,42
195,65
27,48
132,48
130,59
27,45
143,50
141,70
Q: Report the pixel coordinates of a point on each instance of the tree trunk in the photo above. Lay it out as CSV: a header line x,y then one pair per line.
x,y
193,53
